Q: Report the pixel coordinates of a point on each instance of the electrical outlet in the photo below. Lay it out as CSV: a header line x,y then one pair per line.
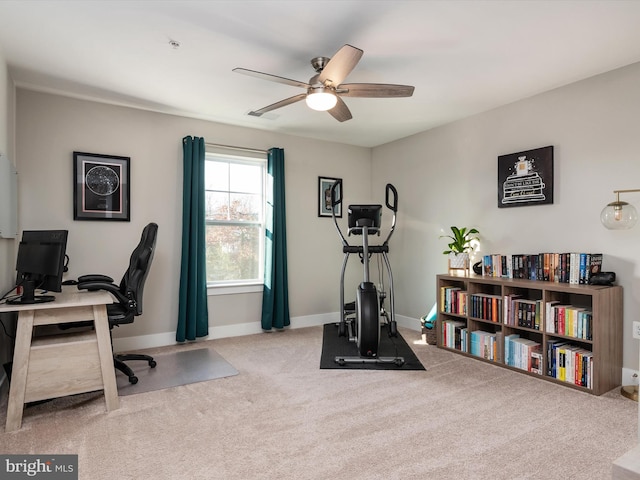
x,y
636,330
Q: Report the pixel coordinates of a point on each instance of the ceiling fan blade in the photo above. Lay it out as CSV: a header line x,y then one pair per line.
x,y
374,90
271,78
340,112
340,65
280,104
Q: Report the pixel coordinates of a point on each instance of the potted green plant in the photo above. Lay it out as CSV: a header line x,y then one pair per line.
x,y
460,246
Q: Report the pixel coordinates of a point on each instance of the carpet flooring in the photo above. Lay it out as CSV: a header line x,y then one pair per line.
x,y
173,369
283,418
334,345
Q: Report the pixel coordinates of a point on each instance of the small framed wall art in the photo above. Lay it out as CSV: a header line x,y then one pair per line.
x,y
526,178
324,197
100,187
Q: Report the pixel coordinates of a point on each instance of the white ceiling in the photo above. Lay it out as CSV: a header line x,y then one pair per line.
x,y
463,57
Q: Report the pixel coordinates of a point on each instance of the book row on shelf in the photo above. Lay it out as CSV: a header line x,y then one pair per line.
x,y
570,363
453,300
573,268
513,310
523,312
523,353
487,307
565,361
456,335
569,320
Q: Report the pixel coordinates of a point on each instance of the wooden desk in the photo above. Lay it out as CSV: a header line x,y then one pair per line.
x,y
64,364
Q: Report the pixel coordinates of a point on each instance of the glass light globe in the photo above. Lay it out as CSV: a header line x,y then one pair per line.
x,y
619,216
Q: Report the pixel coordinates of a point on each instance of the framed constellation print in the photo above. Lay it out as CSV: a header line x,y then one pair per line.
x,y
526,178
100,187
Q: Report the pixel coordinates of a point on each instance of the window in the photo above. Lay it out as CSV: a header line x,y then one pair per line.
x,y
235,205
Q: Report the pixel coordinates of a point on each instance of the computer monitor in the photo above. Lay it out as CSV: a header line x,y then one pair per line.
x,y
40,264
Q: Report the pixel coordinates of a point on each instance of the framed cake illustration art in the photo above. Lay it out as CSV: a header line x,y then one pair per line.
x,y
526,178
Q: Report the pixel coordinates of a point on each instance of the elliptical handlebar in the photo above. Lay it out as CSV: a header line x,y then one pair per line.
x,y
336,199
336,196
391,201
391,206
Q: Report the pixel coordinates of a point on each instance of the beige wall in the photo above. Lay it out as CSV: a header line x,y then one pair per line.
x,y
448,176
6,149
444,176
7,246
51,127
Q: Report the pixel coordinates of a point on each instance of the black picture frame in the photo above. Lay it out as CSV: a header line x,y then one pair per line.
x,y
324,196
526,178
101,187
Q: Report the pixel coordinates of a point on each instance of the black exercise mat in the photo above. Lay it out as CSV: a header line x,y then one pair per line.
x,y
333,345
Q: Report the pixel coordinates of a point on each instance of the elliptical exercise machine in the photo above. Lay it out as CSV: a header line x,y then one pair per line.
x,y
361,319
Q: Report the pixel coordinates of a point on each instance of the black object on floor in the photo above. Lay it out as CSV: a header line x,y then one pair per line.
x,y
333,345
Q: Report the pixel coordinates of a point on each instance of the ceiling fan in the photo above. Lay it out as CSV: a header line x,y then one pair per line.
x,y
325,88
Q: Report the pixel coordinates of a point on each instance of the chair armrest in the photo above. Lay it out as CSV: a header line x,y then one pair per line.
x,y
109,287
95,278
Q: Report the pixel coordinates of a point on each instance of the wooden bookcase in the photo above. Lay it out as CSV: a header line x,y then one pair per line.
x,y
470,304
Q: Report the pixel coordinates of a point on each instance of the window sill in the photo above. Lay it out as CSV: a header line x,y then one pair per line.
x,y
234,289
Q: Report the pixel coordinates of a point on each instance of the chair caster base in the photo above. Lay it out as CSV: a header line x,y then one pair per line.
x,y
118,362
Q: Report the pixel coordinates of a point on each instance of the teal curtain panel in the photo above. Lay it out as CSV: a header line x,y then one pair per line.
x,y
193,318
275,297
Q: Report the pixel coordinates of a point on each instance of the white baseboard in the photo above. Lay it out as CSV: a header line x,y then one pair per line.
x,y
141,342
408,322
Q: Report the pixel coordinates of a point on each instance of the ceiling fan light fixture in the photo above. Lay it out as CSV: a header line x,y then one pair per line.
x,y
324,91
321,99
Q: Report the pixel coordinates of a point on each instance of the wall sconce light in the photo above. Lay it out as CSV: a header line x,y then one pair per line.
x,y
619,215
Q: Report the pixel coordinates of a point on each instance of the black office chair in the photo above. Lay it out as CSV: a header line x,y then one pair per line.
x,y
128,294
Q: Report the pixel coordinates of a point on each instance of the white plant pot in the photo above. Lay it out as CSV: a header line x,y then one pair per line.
x,y
459,260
